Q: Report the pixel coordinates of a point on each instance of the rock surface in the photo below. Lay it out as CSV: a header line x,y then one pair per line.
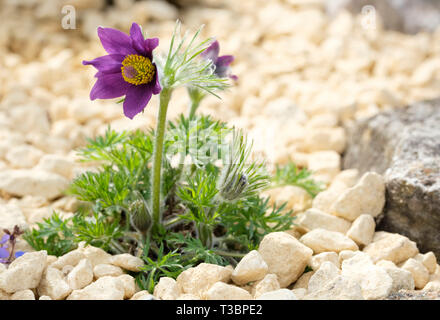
x,y
391,246
223,291
414,295
24,272
167,289
324,275
314,219
366,197
267,284
23,182
53,285
285,256
404,145
251,267
340,288
81,275
105,288
374,280
280,294
198,280
402,279
400,15
321,240
127,261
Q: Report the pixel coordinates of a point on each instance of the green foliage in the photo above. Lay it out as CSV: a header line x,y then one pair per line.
x,y
100,149
163,265
212,211
198,196
98,230
124,158
58,236
291,175
108,188
53,235
247,222
194,251
201,138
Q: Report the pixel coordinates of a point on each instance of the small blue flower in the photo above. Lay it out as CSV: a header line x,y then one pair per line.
x,y
19,254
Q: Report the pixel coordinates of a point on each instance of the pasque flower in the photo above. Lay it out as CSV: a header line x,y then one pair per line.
x,y
222,63
127,69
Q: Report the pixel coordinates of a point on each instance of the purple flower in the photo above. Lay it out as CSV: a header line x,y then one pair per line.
x,y
4,253
9,239
127,69
5,238
222,64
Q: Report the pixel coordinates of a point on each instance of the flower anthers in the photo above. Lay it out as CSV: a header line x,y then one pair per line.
x,y
128,69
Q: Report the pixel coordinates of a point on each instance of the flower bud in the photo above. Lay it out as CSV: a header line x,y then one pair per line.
x,y
140,215
234,187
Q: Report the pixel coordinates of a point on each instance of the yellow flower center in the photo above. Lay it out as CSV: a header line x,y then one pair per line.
x,y
137,69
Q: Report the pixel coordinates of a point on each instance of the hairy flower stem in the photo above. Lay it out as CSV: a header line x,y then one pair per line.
x,y
165,96
205,234
196,96
194,105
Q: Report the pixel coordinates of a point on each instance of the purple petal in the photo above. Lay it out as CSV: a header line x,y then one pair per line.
x,y
222,68
150,45
156,88
136,100
109,86
4,253
211,53
137,39
19,254
5,238
110,63
115,41
224,60
222,71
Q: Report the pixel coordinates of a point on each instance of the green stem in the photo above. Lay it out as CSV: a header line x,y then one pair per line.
x,y
194,105
165,96
205,234
171,222
116,246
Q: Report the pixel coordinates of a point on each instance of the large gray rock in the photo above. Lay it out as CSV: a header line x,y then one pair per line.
x,y
407,16
404,146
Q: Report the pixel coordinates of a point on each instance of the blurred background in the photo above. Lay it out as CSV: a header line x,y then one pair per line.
x,y
306,68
